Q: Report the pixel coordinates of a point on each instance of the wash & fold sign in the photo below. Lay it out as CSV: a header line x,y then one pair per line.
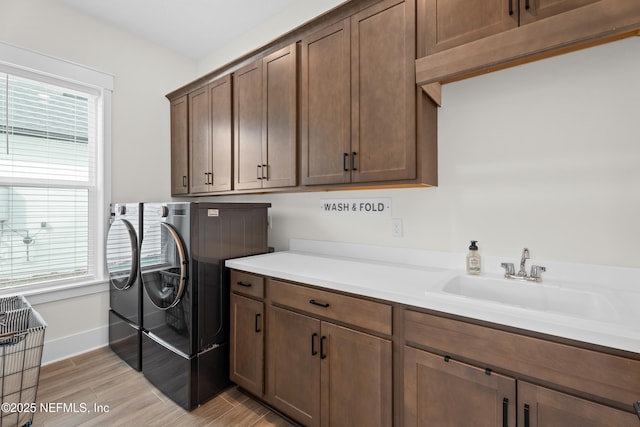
x,y
377,207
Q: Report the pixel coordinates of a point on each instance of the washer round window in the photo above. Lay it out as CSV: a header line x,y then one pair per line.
x,y
164,265
122,254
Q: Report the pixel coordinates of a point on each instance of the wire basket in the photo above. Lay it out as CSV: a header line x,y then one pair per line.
x,y
21,343
13,303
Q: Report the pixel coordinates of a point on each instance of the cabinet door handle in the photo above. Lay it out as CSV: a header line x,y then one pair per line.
x,y
505,412
510,7
184,180
265,172
323,355
313,344
527,6
527,422
353,161
259,172
258,323
345,156
319,304
246,285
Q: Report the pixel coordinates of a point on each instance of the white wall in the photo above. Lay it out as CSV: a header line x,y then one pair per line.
x,y
143,73
544,155
294,16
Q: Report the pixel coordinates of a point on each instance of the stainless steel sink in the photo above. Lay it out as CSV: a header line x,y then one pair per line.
x,y
533,296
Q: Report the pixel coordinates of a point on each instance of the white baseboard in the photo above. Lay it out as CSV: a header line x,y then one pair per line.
x,y
72,345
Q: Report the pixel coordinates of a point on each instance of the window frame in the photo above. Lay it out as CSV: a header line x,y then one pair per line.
x,y
29,64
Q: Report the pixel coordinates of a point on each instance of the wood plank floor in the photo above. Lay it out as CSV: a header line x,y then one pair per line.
x,y
101,378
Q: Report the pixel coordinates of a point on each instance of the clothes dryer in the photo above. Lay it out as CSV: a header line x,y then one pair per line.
x,y
125,290
185,342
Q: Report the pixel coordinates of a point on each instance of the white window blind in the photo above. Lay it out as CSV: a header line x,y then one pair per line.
x,y
48,181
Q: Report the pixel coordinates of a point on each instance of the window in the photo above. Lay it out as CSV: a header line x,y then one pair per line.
x,y
51,188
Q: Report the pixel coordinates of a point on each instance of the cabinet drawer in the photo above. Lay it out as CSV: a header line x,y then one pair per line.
x,y
355,311
614,379
247,284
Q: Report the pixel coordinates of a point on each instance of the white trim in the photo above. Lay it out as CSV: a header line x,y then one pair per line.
x,y
50,293
72,345
29,60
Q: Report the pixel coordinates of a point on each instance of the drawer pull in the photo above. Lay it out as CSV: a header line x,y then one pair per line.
x,y
319,304
313,344
246,285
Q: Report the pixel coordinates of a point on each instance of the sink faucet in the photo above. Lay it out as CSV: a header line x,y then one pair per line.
x,y
536,270
525,257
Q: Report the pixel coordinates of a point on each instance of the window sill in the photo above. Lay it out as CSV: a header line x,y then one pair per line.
x,y
50,293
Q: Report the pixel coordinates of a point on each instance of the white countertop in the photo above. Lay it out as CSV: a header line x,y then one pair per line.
x,y
416,278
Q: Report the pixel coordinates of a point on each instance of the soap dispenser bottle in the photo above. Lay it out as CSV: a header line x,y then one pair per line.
x,y
473,259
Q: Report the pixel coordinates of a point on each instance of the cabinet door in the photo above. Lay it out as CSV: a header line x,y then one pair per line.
x,y
439,391
247,344
357,384
179,146
279,130
542,407
221,129
383,124
534,10
293,378
247,85
325,126
451,23
199,141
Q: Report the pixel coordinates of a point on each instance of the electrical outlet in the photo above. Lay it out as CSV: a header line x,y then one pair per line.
x,y
396,227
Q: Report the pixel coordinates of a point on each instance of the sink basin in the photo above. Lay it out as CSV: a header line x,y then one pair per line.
x,y
533,296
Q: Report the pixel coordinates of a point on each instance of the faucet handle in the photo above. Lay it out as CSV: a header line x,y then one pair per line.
x,y
536,271
509,269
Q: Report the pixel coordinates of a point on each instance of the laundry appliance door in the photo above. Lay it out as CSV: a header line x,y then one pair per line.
x,y
122,265
165,267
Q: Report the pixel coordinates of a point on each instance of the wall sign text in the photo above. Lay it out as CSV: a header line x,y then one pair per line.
x,y
365,207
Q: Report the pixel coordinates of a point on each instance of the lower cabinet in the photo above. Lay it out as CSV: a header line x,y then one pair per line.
x,y
582,387
322,374
540,407
326,358
246,365
439,391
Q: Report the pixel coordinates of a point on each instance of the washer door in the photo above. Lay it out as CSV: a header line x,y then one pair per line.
x,y
165,277
122,254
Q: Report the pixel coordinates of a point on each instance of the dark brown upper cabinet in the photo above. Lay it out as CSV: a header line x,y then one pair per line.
x,y
451,23
463,38
179,146
357,113
265,94
210,138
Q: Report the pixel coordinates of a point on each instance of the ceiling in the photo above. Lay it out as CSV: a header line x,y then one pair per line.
x,y
193,28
